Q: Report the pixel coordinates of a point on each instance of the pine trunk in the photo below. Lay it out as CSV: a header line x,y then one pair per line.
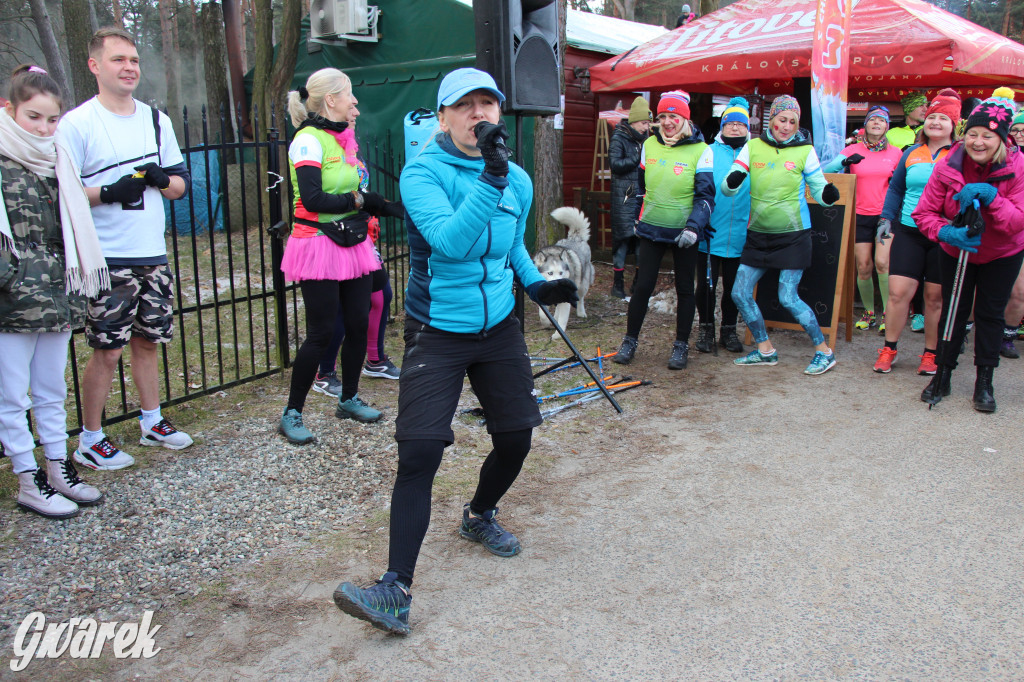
x,y
547,160
218,101
287,55
77,34
263,62
170,55
51,51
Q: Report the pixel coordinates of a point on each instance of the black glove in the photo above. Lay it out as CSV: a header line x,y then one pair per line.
x,y
735,179
852,159
374,203
490,140
553,292
127,190
830,194
394,209
155,176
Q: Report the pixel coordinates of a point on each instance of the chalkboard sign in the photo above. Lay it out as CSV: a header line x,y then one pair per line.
x,y
826,286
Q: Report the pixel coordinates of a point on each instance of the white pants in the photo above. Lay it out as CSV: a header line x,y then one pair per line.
x,y
33,362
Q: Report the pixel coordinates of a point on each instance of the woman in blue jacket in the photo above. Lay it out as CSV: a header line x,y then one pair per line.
x,y
466,216
729,222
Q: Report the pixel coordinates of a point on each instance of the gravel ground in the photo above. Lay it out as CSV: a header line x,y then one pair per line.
x,y
177,521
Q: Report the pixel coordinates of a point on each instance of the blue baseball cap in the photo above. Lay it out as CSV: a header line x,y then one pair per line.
x,y
461,82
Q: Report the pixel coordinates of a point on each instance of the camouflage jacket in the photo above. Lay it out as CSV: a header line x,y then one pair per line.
x,y
32,293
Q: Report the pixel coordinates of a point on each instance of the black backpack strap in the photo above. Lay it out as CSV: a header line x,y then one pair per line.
x,y
156,131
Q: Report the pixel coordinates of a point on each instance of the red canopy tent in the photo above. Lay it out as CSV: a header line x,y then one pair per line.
x,y
895,46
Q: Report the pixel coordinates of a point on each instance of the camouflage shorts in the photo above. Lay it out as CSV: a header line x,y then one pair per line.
x,y
139,302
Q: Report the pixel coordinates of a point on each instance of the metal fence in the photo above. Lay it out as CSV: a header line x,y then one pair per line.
x,y
235,318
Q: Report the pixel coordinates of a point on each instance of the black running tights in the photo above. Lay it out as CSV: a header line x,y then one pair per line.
x,y
418,461
321,298
648,262
726,268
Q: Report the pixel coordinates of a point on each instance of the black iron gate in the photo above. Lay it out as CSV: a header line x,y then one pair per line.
x,y
236,319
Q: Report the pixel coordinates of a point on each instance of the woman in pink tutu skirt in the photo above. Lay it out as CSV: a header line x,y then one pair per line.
x,y
328,252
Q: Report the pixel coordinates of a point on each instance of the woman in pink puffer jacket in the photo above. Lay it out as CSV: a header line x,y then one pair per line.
x,y
985,169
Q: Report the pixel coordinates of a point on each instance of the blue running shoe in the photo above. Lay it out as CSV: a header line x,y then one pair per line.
x,y
821,363
384,605
755,357
485,530
917,323
291,427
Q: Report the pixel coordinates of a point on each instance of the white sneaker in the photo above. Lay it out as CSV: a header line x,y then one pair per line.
x,y
36,494
63,476
103,455
164,434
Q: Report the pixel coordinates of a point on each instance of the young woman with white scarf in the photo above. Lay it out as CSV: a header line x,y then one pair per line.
x,y
49,259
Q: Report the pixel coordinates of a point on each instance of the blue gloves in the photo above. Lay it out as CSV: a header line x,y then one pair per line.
x,y
957,236
982,191
553,292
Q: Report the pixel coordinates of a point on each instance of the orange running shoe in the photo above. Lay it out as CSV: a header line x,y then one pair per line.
x,y
927,366
886,356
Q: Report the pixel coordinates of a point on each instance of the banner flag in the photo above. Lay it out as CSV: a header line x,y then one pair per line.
x,y
830,71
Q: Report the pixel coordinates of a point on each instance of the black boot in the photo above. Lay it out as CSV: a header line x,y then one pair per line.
x,y
618,286
680,355
939,386
984,398
627,349
729,340
705,337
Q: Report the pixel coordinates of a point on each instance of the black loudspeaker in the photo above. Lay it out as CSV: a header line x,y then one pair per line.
x,y
517,43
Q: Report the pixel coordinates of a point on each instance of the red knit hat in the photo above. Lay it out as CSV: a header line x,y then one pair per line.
x,y
675,102
947,102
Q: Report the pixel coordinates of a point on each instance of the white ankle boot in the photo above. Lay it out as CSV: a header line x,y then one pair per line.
x,y
64,478
37,495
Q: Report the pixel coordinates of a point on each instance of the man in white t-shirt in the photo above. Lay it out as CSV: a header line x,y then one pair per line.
x,y
130,162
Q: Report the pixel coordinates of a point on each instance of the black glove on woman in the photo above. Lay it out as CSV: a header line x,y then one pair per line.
x,y
374,203
394,209
554,292
852,160
830,194
735,179
490,140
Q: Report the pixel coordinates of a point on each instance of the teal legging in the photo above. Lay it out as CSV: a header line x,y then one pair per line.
x,y
789,280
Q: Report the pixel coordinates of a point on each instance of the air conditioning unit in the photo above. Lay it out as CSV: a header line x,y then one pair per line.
x,y
342,19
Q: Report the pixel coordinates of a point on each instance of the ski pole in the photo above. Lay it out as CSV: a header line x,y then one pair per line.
x,y
570,390
711,301
555,410
577,363
579,391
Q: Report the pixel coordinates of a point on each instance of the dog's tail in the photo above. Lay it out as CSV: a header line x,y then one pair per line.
x,y
575,220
